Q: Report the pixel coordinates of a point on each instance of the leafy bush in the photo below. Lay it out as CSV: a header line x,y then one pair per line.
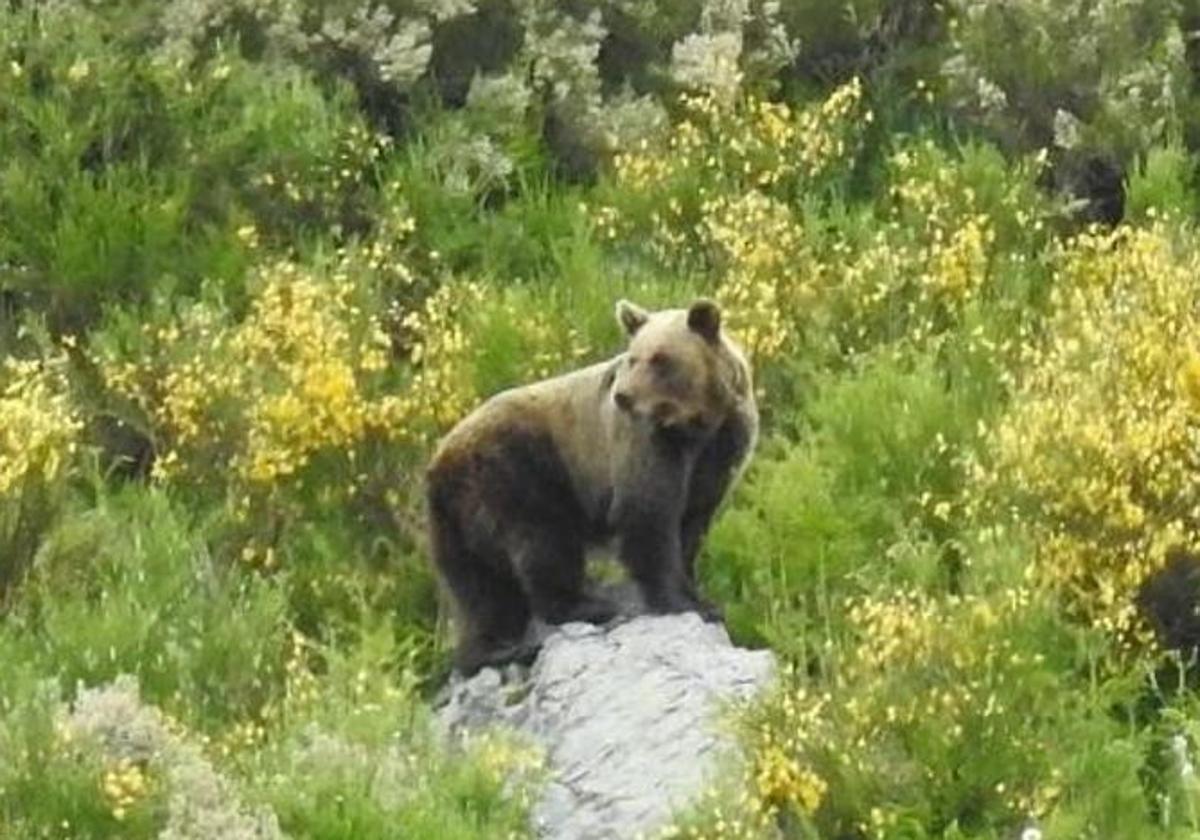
x,y
973,686
356,757
121,176
50,787
117,766
855,508
129,587
1097,82
1163,182
714,192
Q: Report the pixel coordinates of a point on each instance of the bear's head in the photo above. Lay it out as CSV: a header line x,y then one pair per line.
x,y
681,370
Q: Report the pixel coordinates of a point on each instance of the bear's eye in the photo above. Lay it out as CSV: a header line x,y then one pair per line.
x,y
662,362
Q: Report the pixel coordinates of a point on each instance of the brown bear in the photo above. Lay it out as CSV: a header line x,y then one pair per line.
x,y
642,448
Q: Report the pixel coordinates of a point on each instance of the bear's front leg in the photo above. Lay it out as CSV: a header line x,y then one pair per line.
x,y
649,499
650,549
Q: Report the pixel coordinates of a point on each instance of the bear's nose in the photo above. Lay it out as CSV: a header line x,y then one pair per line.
x,y
623,401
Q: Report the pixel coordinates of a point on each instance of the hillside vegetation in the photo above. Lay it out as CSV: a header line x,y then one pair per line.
x,y
256,255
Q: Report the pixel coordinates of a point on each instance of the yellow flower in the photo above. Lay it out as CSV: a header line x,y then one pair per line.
x,y
1189,380
781,781
39,426
124,784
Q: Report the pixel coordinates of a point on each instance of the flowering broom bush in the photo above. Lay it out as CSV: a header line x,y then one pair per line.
x,y
1096,454
39,434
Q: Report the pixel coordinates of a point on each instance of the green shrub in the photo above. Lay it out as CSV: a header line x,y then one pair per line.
x,y
854,505
979,688
50,788
122,177
1099,83
1163,182
129,587
354,756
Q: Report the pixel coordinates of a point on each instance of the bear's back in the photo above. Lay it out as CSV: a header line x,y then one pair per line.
x,y
573,411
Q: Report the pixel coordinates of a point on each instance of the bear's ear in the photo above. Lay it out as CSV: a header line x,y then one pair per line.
x,y
630,316
705,318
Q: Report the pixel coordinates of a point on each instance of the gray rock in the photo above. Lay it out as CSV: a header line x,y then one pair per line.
x,y
627,715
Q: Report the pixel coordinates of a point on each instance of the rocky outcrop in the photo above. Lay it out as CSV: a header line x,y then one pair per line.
x,y
628,717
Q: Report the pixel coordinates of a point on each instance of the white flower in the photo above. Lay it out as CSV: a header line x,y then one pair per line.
x,y
1066,129
991,96
564,51
405,55
443,10
202,803
503,99
113,715
724,16
1179,747
626,120
709,63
